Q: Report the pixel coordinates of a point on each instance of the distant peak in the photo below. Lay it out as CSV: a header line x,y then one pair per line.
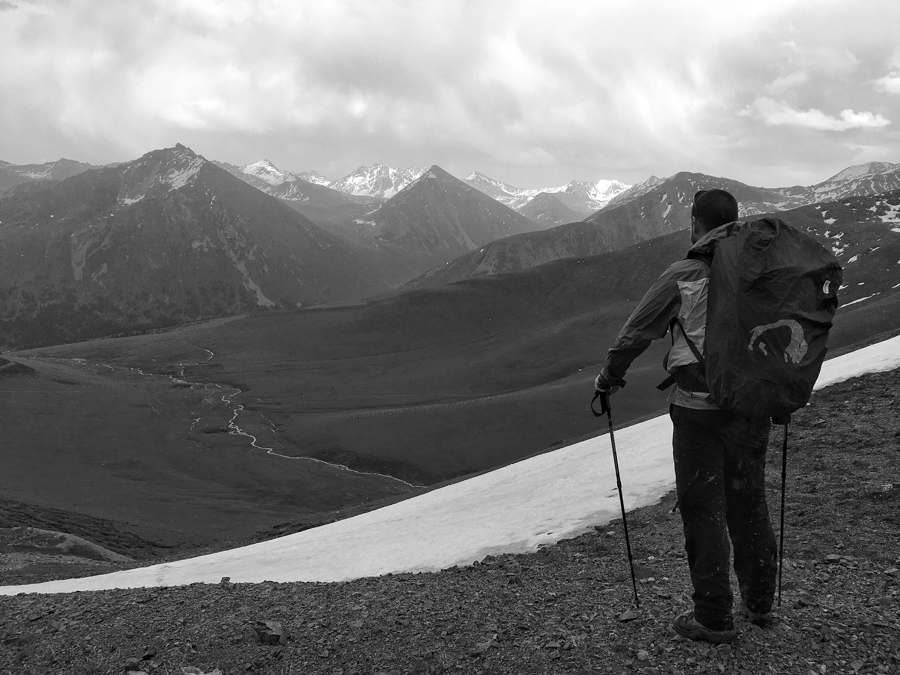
x,y
265,171
183,149
860,170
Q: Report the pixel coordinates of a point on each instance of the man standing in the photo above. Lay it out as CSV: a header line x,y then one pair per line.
x,y
719,455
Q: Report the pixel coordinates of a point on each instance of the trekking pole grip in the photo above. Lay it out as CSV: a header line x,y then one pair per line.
x,y
603,395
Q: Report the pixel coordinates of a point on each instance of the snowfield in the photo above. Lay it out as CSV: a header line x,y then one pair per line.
x,y
517,508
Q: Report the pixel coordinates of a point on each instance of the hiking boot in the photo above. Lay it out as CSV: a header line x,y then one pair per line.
x,y
763,620
687,626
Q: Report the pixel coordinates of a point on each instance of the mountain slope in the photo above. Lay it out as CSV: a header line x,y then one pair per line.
x,y
16,174
167,238
860,180
378,180
655,207
438,218
548,209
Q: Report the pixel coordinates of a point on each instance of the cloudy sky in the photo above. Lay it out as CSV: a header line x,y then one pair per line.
x,y
531,92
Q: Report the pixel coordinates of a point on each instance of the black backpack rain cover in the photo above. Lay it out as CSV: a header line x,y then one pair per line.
x,y
772,298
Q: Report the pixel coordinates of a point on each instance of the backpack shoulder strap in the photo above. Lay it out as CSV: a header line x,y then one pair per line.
x,y
670,380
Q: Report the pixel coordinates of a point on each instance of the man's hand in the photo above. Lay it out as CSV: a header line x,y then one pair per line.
x,y
601,386
607,384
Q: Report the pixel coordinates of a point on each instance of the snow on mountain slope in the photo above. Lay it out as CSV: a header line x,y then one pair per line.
x,y
517,508
266,171
315,178
854,181
16,174
378,180
584,197
175,169
860,170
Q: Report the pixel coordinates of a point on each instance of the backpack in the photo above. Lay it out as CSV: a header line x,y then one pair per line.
x,y
772,299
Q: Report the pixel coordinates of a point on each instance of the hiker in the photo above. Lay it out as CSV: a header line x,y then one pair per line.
x,y
719,455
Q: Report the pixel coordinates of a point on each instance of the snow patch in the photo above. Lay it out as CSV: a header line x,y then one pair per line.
x,y
853,302
181,176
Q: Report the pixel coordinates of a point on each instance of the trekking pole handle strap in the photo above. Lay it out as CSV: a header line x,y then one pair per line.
x,y
603,395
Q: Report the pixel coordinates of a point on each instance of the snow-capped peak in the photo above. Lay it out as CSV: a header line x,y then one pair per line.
x,y
171,167
264,170
582,196
378,180
315,178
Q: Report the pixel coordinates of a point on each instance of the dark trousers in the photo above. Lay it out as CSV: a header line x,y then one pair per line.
x,y
720,463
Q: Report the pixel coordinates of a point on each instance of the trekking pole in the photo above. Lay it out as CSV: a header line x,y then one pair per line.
x,y
785,421
604,407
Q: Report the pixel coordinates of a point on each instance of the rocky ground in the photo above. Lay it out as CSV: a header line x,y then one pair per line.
x,y
558,610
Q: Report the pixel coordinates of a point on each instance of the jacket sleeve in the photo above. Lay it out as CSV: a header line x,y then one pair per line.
x,y
652,318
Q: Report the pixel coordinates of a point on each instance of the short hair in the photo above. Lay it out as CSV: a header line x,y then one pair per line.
x,y
714,208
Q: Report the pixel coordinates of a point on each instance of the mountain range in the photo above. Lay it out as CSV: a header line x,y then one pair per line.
x,y
650,209
173,237
167,238
16,174
581,196
437,218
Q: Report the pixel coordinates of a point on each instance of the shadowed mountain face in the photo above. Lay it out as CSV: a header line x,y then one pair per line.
x,y
548,209
649,210
167,238
318,202
16,174
438,218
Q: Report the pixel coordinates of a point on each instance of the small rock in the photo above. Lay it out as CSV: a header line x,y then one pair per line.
x,y
270,632
724,649
833,558
643,655
893,572
629,615
132,665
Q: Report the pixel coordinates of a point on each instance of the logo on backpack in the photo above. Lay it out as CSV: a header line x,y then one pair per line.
x,y
797,348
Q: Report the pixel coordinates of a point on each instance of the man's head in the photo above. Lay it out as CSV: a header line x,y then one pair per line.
x,y
711,209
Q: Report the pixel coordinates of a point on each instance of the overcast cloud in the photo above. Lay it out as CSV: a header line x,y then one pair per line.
x,y
530,92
